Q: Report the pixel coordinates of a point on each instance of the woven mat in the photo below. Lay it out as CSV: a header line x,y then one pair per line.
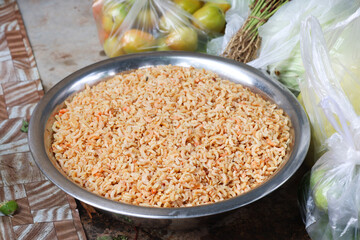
x,y
45,212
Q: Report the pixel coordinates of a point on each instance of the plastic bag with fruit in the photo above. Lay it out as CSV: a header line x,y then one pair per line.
x,y
235,18
131,26
279,53
329,196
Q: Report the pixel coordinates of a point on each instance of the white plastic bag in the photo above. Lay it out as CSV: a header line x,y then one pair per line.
x,y
330,198
343,52
280,49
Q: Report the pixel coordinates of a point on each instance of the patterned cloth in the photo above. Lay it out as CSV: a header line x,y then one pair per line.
x,y
45,212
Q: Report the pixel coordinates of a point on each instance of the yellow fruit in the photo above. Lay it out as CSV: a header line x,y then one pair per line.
x,y
113,16
182,39
189,5
222,4
112,47
210,18
162,46
134,41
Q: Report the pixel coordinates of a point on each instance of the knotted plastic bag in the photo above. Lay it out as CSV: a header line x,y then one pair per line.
x,y
132,26
329,197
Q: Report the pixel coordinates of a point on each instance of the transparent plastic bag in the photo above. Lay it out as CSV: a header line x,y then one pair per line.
x,y
235,18
131,26
330,195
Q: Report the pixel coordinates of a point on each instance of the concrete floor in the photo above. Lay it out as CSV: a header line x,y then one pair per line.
x,y
63,37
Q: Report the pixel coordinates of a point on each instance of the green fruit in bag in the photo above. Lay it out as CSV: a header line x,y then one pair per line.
x,y
162,46
210,18
223,4
321,187
134,41
112,47
113,16
189,5
182,39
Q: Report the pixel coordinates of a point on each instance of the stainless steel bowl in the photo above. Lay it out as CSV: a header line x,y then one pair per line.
x,y
172,218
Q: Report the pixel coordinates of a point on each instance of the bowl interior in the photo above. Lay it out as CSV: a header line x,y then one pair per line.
x,y
40,133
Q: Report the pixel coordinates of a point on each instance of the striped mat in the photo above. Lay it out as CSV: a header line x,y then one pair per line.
x,y
45,212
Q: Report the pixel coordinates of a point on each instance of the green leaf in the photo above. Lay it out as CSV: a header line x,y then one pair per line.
x,y
8,207
121,237
25,126
104,238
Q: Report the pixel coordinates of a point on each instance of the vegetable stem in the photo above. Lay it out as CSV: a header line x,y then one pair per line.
x,y
261,11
